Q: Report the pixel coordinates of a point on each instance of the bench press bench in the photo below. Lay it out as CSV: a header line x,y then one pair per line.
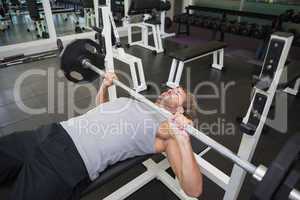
x,y
112,172
185,55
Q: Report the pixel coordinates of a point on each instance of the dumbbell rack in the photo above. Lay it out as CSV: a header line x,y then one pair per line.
x,y
217,24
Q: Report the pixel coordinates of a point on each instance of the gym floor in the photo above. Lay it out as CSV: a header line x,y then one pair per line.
x,y
37,92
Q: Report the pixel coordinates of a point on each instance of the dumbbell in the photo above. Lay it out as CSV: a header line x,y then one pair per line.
x,y
199,21
256,31
177,18
207,22
266,30
296,34
296,18
224,27
184,18
233,27
287,15
181,18
215,23
192,19
244,28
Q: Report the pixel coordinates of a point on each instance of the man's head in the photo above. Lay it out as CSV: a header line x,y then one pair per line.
x,y
178,100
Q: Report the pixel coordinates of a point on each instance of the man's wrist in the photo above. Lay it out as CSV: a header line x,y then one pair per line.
x,y
182,137
104,87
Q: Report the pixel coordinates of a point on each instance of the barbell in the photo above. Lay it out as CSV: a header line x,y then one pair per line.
x,y
84,57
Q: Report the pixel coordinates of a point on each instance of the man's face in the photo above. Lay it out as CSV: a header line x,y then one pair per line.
x,y
173,97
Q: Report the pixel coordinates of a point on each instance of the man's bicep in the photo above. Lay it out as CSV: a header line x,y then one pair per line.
x,y
164,131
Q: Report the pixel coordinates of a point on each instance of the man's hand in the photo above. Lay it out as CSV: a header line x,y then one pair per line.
x,y
108,79
102,95
178,124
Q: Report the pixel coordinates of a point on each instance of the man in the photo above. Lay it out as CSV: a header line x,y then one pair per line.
x,y
58,161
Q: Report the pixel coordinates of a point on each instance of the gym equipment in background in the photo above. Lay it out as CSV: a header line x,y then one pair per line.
x,y
222,24
118,52
153,22
182,56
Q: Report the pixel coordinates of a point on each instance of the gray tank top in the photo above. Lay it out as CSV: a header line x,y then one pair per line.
x,y
112,132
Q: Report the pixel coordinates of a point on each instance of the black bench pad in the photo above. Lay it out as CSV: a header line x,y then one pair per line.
x,y
194,51
121,167
153,21
114,171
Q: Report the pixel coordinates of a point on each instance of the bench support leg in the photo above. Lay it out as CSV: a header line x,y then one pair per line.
x,y
129,35
145,34
218,59
146,30
159,46
294,91
136,69
175,73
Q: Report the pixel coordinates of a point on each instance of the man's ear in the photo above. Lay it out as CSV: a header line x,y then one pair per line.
x,y
180,109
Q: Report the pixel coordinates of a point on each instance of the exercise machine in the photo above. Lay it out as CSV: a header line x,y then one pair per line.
x,y
277,182
107,27
153,23
135,64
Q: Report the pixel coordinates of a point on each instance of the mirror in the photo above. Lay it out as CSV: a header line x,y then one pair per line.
x,y
22,21
72,16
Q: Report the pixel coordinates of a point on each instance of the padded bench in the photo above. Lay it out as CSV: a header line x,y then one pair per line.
x,y
119,168
185,55
112,172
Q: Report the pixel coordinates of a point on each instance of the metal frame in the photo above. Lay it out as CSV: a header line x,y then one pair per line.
x,y
135,63
104,14
145,32
177,66
249,143
136,68
163,32
89,16
294,91
158,31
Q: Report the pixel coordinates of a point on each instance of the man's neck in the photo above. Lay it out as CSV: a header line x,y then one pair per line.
x,y
170,109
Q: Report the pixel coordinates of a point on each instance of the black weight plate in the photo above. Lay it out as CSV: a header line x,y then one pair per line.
x,y
73,55
279,170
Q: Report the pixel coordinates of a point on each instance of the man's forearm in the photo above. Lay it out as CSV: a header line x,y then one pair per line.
x,y
191,178
102,95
